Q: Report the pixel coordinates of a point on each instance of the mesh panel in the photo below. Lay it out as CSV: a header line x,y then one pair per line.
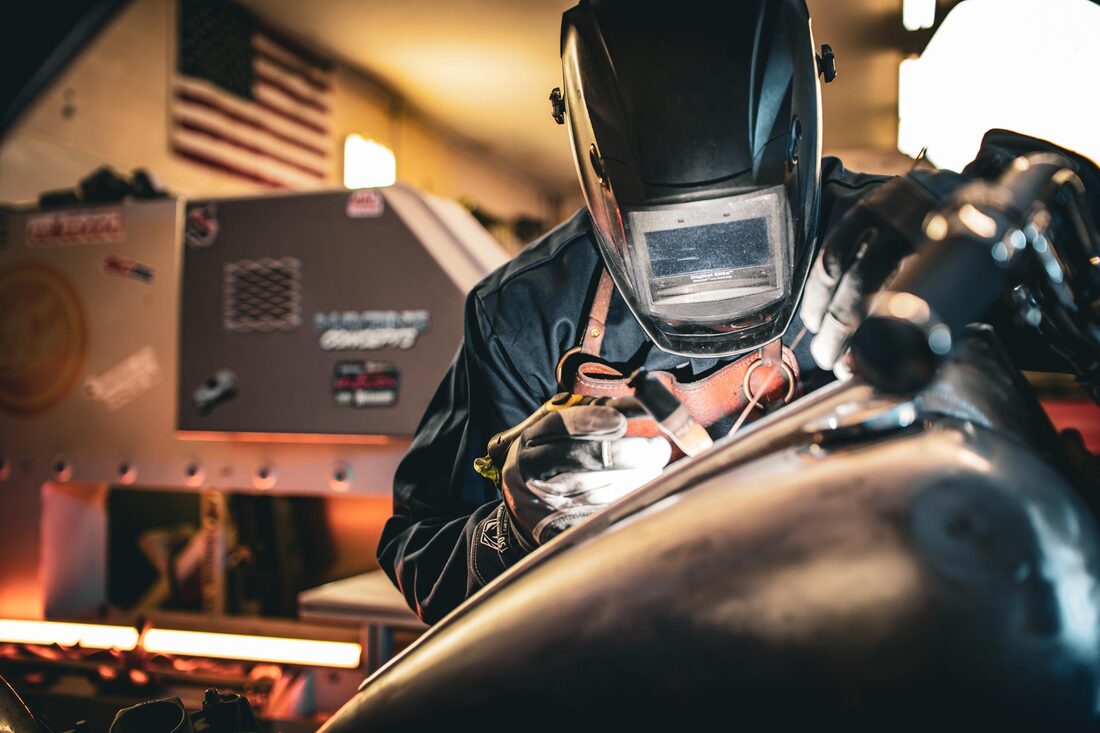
x,y
262,295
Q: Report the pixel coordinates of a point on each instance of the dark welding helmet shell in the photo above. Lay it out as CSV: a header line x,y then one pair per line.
x,y
695,129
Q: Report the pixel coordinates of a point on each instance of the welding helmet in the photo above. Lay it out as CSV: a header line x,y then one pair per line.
x,y
695,127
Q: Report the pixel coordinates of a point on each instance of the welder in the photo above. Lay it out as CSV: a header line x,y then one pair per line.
x,y
714,238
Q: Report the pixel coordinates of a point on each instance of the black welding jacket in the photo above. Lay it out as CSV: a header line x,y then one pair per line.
x,y
519,321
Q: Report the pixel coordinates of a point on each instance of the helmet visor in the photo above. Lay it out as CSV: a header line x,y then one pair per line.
x,y
710,260
702,276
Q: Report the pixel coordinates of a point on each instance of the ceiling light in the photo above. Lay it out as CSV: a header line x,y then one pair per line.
x,y
368,163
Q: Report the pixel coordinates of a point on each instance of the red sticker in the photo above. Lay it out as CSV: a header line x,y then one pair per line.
x,y
365,384
366,202
76,227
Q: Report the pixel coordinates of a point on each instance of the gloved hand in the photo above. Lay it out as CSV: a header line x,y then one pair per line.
x,y
572,463
856,259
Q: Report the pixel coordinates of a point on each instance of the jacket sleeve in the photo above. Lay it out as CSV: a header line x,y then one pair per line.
x,y
448,535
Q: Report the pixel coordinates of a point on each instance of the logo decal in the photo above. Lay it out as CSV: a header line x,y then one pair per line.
x,y
370,330
492,535
365,384
365,203
43,337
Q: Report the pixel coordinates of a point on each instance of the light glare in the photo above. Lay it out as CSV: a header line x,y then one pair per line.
x,y
918,14
89,636
969,79
368,163
342,654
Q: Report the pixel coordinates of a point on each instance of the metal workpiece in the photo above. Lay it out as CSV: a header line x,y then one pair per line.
x,y
855,421
14,715
936,574
1029,231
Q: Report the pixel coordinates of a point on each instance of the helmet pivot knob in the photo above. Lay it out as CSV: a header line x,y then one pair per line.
x,y
826,63
557,106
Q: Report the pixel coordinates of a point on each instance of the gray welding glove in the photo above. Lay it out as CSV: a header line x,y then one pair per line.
x,y
571,464
858,256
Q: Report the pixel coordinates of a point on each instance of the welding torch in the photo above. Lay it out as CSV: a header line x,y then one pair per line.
x,y
651,398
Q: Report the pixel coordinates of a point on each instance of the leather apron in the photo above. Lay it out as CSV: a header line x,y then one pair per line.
x,y
715,401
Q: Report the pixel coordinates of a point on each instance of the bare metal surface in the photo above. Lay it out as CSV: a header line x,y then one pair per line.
x,y
14,715
943,571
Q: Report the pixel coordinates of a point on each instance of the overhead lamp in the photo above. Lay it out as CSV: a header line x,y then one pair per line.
x,y
368,163
970,79
918,14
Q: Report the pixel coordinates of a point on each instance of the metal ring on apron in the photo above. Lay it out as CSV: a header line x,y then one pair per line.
x,y
561,363
787,373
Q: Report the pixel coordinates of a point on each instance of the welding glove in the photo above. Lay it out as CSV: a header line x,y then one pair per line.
x,y
858,256
572,463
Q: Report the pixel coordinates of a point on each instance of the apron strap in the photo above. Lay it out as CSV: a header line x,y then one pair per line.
x,y
590,340
771,354
596,327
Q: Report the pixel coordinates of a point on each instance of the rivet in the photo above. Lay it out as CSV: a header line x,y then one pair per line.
x,y
62,469
127,473
194,474
340,478
595,332
265,476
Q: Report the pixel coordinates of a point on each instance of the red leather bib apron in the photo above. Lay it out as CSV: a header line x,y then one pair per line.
x,y
715,400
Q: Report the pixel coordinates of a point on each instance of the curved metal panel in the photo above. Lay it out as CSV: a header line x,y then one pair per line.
x,y
938,570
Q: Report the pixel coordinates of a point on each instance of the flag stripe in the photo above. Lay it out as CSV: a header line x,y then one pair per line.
x,y
210,162
204,127
202,92
306,79
275,101
248,101
292,61
291,86
232,156
225,125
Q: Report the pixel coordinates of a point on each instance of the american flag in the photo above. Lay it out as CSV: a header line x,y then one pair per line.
x,y
248,102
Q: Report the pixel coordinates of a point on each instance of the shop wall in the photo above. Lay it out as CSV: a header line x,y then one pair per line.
x,y
111,106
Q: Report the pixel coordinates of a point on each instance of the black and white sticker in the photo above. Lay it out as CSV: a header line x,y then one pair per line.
x,y
370,330
365,384
201,226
